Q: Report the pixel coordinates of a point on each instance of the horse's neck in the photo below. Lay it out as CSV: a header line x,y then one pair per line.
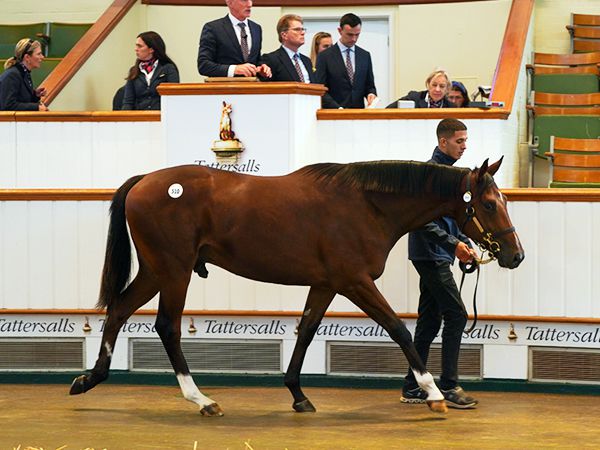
x,y
405,213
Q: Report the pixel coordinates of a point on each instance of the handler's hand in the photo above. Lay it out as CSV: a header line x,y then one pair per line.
x,y
464,253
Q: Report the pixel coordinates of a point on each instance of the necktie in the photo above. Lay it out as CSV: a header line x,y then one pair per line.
x,y
298,70
349,68
244,41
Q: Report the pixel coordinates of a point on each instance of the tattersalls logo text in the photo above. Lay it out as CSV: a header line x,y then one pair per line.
x,y
250,166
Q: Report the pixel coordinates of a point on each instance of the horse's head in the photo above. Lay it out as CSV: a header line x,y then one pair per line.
x,y
483,216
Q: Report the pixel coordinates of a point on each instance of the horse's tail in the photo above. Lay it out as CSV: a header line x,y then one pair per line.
x,y
117,261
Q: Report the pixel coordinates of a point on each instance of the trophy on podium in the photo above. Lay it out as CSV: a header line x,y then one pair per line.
x,y
228,148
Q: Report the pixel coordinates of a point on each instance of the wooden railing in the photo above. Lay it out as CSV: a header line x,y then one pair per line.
x,y
513,195
287,3
83,49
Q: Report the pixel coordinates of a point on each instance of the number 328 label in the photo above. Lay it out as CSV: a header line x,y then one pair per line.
x,y
175,190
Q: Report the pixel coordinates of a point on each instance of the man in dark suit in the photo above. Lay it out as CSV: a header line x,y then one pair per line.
x,y
231,46
286,63
346,69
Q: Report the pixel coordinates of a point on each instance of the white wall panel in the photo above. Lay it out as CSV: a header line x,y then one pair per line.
x,y
78,154
15,284
8,153
40,249
549,253
578,276
594,242
65,238
92,232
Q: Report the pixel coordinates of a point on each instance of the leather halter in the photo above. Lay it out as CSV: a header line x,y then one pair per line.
x,y
489,242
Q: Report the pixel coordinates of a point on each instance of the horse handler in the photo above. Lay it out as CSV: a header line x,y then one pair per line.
x,y
432,249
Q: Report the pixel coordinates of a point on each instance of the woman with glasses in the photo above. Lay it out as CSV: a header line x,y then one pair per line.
x,y
17,92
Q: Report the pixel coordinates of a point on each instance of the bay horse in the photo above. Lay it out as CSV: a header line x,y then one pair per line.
x,y
328,226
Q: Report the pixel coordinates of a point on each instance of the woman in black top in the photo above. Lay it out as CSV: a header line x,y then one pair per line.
x,y
152,67
16,87
438,85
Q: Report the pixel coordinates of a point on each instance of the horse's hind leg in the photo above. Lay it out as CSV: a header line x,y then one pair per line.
x,y
138,293
316,304
168,327
366,296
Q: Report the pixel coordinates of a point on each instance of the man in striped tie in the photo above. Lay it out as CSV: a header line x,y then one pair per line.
x,y
286,63
230,46
346,69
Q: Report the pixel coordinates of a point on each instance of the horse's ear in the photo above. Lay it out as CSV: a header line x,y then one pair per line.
x,y
224,104
494,167
482,171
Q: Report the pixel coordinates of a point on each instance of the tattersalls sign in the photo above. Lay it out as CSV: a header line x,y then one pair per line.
x,y
350,329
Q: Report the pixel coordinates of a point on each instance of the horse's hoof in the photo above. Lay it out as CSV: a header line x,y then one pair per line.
x,y
212,410
438,406
304,406
78,385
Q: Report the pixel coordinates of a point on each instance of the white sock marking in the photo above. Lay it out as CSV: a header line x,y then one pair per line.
x,y
191,392
428,385
108,350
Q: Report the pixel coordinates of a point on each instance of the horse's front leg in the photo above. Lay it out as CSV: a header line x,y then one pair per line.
x,y
138,293
367,297
168,327
316,304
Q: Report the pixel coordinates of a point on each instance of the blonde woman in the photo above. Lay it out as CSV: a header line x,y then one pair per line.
x,y
438,85
320,42
17,92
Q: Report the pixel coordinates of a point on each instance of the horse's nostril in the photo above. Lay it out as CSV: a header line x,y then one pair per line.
x,y
519,257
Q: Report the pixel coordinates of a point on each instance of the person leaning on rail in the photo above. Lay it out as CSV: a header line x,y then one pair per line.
x,y
438,85
17,92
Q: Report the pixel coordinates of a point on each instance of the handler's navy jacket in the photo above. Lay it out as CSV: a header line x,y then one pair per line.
x,y
437,240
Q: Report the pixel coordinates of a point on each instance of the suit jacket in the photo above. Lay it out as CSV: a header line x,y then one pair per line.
x,y
282,67
141,96
219,47
419,98
331,71
15,92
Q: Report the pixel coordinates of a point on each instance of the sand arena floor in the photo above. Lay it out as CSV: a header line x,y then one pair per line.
x,y
157,417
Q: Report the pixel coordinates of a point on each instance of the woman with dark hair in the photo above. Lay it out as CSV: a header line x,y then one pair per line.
x,y
152,66
458,95
320,42
16,87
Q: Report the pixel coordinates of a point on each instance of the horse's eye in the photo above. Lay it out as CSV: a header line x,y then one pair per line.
x,y
489,206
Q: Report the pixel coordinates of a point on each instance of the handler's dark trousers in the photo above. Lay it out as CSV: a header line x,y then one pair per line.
x,y
439,299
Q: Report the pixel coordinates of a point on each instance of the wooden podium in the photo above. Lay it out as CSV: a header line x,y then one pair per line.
x,y
275,121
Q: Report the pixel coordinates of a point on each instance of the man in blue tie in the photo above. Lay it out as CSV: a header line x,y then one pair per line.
x,y
230,46
286,63
346,69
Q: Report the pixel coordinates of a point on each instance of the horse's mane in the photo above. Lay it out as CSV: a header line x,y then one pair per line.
x,y
409,177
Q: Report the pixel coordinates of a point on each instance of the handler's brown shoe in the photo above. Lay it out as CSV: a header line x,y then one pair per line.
x,y
458,398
